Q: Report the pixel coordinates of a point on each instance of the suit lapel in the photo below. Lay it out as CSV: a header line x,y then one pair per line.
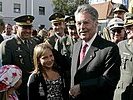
x,y
89,56
91,53
75,61
22,45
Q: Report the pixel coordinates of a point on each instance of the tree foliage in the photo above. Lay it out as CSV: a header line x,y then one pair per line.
x,y
67,7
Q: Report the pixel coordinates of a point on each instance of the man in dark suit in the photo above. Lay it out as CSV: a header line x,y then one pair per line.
x,y
94,71
19,51
124,90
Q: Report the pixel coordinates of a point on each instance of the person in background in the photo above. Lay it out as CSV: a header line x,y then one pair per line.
x,y
43,35
19,50
124,90
7,34
50,32
2,28
71,28
47,81
95,68
14,29
34,33
10,80
119,11
116,30
59,39
41,27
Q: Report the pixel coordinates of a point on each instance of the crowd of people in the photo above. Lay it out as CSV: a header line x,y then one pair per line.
x,y
70,61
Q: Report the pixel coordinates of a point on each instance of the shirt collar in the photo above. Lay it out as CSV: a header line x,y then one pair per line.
x,y
91,40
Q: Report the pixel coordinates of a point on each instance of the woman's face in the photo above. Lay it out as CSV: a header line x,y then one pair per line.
x,y
47,60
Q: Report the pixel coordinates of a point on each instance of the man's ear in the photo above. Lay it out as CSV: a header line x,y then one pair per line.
x,y
96,23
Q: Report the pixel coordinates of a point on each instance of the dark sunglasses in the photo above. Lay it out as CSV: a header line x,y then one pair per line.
x,y
116,30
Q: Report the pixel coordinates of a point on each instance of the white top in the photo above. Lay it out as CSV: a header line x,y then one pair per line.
x,y
7,36
88,43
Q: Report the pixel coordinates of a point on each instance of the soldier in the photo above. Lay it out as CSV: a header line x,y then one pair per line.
x,y
70,24
116,30
59,39
124,90
19,50
119,11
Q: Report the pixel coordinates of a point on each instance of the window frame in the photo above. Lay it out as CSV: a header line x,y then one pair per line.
x,y
17,8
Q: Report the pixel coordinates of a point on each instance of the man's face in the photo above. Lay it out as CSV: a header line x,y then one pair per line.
x,y
24,32
117,34
129,31
119,14
58,27
86,27
71,30
8,29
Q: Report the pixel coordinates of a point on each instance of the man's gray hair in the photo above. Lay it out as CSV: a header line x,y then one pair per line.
x,y
89,9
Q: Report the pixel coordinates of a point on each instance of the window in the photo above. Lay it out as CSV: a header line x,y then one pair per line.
x,y
0,6
41,10
16,8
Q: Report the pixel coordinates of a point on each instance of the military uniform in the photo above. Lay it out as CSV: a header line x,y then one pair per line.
x,y
70,24
120,7
124,89
15,51
61,44
117,9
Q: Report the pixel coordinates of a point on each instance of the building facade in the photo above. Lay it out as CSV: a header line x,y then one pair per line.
x,y
40,9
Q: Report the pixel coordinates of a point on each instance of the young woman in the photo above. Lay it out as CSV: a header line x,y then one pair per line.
x,y
10,80
47,80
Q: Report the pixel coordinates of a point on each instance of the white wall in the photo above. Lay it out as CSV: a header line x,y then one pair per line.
x,y
9,15
42,19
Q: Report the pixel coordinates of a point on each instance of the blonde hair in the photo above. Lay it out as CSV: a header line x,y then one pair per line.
x,y
39,51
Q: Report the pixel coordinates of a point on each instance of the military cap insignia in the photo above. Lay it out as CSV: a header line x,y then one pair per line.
x,y
24,20
70,20
56,17
28,21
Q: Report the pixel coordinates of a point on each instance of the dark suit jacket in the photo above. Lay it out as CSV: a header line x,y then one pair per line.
x,y
99,72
